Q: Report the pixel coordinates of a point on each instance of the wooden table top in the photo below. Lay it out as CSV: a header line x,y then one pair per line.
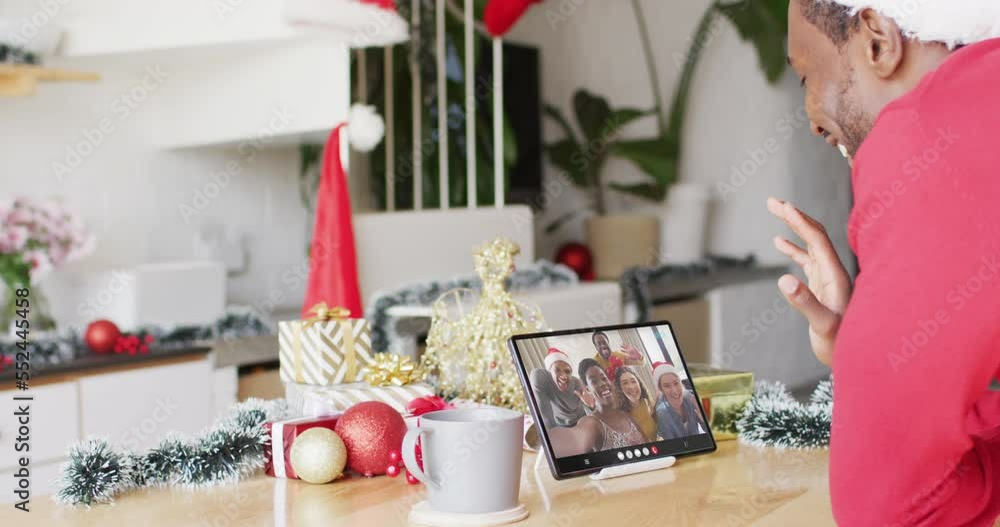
x,y
737,485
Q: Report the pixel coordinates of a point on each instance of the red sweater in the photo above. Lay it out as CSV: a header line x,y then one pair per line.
x,y
916,431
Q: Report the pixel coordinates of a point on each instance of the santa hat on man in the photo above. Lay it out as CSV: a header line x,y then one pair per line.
x,y
660,369
555,355
333,263
953,22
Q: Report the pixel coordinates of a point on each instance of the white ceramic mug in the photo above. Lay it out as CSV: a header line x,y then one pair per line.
x,y
471,457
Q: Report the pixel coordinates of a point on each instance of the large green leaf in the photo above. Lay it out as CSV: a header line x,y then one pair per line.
x,y
592,112
565,155
619,119
652,156
763,23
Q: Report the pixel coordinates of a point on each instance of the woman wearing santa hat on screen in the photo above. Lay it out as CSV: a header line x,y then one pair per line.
x,y
907,90
561,397
677,413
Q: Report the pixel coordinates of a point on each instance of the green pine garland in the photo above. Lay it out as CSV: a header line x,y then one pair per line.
x,y
232,449
774,418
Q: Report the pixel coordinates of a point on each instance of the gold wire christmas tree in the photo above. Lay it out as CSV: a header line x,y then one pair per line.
x,y
467,352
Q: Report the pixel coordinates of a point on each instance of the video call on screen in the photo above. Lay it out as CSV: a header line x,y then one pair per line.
x,y
603,391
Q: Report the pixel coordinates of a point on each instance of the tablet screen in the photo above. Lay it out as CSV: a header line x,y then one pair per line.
x,y
612,395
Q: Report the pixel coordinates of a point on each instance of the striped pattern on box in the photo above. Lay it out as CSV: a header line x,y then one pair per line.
x,y
324,353
327,400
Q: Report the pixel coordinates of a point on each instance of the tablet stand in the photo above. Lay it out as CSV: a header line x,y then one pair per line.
x,y
622,470
634,468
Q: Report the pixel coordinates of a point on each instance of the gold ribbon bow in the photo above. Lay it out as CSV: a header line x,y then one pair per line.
x,y
390,369
323,313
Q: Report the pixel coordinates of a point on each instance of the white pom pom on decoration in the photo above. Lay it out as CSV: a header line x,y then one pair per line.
x,y
365,127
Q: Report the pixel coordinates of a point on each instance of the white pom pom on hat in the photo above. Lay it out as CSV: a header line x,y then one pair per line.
x,y
953,22
660,369
365,127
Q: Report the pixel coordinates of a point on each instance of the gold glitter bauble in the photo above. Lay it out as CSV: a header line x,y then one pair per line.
x,y
318,455
467,345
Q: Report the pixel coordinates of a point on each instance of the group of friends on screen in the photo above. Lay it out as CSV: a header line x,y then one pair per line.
x,y
602,403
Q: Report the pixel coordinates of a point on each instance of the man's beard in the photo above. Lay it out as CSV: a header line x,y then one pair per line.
x,y
854,123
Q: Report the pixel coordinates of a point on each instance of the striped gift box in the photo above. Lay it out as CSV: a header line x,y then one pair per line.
x,y
306,399
324,352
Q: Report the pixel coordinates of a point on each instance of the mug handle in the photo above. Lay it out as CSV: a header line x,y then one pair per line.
x,y
410,456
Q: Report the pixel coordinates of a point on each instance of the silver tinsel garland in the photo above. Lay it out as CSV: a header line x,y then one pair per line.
x,y
774,418
230,450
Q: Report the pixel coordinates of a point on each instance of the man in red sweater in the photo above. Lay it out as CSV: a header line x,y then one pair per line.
x,y
909,91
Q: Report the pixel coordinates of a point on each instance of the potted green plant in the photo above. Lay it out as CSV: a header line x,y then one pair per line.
x,y
619,241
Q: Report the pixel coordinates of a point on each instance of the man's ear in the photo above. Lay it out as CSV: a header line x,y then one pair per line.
x,y
883,42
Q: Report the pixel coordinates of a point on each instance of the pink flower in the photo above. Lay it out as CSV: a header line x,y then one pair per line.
x,y
13,239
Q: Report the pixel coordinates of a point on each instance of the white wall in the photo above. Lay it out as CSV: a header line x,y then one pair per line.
x,y
130,193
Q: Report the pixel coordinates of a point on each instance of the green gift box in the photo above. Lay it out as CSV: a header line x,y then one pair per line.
x,y
724,394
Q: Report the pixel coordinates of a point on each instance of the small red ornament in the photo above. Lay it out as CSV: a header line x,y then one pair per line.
x,y
101,336
392,471
577,257
411,479
370,430
395,457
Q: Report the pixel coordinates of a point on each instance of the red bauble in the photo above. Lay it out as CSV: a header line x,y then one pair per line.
x,y
370,430
577,257
392,471
411,479
101,336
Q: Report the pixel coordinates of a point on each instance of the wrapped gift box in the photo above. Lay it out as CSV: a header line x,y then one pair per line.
x,y
724,394
306,399
282,434
324,352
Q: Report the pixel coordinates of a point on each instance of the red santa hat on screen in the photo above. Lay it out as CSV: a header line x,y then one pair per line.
x,y
953,22
660,369
554,355
365,23
333,264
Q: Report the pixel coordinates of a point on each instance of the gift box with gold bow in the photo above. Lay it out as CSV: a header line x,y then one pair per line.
x,y
326,348
393,379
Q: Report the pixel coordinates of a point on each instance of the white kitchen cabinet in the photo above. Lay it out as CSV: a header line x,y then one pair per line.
x,y
136,408
54,423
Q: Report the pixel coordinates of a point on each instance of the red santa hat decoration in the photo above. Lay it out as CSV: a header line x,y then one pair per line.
x,y
953,22
365,23
555,355
333,264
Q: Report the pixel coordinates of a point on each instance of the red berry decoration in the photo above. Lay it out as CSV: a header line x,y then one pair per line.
x,y
577,257
395,457
392,471
411,479
101,336
370,430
